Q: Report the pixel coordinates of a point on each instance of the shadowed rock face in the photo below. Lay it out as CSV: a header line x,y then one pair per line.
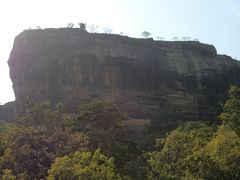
x,y
6,111
140,75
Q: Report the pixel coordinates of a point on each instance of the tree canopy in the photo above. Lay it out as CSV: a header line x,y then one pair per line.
x,y
146,34
231,110
83,165
95,144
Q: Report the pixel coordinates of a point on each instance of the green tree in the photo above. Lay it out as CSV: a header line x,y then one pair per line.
x,y
218,159
231,110
4,127
32,150
200,165
35,114
137,168
224,149
82,26
83,165
188,138
70,25
7,175
146,34
42,114
102,122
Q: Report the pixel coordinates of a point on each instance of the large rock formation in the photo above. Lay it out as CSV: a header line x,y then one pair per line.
x,y
140,75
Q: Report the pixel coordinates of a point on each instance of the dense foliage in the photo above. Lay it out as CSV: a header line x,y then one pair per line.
x,y
83,165
46,144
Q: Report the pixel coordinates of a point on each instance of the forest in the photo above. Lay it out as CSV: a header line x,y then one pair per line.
x,y
45,143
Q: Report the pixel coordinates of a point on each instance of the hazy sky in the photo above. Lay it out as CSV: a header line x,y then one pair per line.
x,y
214,22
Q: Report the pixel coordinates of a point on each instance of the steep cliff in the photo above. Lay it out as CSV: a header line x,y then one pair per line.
x,y
140,75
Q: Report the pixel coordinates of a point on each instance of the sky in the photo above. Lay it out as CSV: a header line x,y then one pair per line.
x,y
214,22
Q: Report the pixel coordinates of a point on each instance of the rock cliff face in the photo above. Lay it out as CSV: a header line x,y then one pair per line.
x,y
6,111
140,75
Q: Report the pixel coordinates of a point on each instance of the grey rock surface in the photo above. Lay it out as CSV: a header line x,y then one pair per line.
x,y
140,75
